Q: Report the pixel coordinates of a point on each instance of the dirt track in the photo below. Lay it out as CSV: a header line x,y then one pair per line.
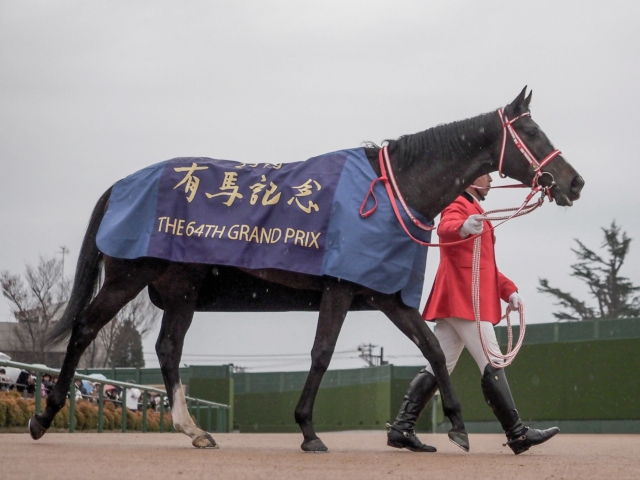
x,y
354,455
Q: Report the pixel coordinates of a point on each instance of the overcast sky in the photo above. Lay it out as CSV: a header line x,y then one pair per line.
x,y
93,91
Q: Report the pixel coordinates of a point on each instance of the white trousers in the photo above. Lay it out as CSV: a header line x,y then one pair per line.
x,y
456,333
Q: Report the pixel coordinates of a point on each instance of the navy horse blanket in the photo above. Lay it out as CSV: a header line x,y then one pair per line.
x,y
300,217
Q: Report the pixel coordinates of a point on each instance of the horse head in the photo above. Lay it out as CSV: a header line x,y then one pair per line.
x,y
530,157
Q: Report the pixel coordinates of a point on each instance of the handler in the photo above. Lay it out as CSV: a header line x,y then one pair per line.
x,y
450,306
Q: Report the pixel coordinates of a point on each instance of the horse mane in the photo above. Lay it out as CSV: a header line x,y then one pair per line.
x,y
444,141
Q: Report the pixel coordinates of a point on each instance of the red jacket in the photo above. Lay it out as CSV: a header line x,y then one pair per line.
x,y
451,292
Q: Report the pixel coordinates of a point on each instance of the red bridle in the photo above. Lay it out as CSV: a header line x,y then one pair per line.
x,y
507,126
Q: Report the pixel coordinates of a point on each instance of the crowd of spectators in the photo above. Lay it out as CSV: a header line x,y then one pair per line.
x,y
26,384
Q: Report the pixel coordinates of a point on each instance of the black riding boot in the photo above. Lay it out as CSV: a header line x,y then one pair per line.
x,y
402,433
520,437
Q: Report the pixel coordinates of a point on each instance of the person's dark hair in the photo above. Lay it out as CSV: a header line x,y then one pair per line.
x,y
2,370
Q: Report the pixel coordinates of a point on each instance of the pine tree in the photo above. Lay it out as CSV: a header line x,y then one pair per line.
x,y
127,346
614,294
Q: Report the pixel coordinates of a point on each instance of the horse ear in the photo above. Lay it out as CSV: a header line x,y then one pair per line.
x,y
527,100
519,102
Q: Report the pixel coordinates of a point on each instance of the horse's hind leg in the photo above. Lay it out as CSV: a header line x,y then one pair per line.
x,y
336,300
179,289
124,279
410,322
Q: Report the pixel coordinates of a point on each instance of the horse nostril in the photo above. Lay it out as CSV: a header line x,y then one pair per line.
x,y
576,184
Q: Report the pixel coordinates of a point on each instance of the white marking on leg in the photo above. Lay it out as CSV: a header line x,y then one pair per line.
x,y
182,421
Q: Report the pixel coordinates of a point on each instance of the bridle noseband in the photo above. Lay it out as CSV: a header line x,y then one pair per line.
x,y
507,126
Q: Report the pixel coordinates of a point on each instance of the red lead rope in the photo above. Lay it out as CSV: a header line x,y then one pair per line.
x,y
388,179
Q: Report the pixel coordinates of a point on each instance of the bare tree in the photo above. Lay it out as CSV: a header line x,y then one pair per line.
x,y
35,303
39,299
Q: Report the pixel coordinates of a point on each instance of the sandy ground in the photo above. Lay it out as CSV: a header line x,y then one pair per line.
x,y
354,455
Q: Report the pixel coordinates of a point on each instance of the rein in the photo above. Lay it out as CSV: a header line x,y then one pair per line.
x,y
393,191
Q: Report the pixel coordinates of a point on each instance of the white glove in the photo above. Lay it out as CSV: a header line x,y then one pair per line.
x,y
472,226
515,300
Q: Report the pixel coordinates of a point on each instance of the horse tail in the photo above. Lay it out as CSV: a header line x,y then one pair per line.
x,y
87,276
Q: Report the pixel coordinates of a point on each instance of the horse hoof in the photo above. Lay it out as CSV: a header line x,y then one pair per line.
x,y
204,441
314,446
35,429
460,439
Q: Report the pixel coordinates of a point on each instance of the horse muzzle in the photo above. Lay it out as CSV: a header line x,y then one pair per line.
x,y
565,197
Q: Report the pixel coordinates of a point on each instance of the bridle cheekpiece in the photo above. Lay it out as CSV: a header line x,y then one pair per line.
x,y
507,126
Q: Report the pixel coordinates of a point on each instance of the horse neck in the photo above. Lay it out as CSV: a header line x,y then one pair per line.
x,y
435,166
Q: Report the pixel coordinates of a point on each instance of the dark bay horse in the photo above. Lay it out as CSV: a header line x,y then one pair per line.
x,y
432,168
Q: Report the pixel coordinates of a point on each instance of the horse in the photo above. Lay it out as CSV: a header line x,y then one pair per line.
x,y
431,167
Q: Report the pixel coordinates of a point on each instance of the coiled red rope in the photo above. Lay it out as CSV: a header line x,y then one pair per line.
x,y
510,356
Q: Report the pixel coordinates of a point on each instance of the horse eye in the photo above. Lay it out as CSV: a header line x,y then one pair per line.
x,y
531,133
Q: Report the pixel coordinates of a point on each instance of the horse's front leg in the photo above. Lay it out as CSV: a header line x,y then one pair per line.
x,y
336,300
411,323
179,289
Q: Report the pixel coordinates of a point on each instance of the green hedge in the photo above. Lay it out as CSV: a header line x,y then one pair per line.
x,y
16,411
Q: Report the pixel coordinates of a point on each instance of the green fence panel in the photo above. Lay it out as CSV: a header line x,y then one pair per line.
x,y
220,390
347,399
583,331
596,380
